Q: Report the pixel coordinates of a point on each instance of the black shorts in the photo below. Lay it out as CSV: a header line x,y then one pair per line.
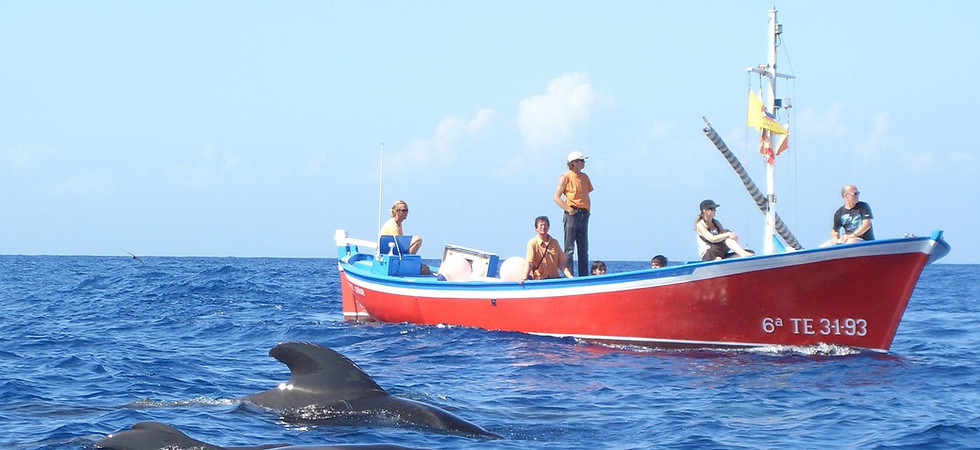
x,y
717,250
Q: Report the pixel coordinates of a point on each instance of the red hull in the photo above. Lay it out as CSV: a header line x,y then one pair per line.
x,y
854,297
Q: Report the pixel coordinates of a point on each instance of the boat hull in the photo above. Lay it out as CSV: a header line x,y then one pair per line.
x,y
847,295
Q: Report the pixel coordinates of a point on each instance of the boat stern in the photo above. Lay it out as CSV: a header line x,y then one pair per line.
x,y
348,251
351,310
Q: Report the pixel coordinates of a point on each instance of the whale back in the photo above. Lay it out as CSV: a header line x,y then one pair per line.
x,y
326,387
151,436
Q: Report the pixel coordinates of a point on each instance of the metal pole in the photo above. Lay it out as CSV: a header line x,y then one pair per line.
x,y
768,243
381,185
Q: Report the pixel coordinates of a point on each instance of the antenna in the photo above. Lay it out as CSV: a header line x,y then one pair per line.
x,y
381,186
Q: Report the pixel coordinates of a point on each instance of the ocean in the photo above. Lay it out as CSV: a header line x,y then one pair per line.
x,y
93,345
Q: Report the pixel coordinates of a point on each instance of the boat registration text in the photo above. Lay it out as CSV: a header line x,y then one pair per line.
x,y
799,325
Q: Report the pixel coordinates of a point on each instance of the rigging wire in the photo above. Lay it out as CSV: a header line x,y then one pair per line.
x,y
745,150
793,139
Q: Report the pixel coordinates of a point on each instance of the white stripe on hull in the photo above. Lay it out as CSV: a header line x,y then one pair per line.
x,y
700,272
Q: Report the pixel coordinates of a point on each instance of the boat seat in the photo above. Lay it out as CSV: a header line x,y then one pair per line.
x,y
394,245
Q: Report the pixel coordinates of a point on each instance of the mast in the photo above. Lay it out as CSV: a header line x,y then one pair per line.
x,y
774,30
768,71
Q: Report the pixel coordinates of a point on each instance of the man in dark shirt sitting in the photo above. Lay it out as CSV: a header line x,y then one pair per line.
x,y
854,218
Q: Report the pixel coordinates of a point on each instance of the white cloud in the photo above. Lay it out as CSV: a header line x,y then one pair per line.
x,y
316,163
828,124
543,121
25,156
549,119
877,139
213,168
918,161
221,161
443,147
663,129
961,157
509,167
83,185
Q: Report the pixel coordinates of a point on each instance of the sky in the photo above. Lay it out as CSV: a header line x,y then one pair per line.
x,y
258,129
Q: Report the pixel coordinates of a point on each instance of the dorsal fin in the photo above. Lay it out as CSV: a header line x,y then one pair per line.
x,y
319,369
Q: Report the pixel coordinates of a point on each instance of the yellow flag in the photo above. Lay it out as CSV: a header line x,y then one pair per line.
x,y
759,118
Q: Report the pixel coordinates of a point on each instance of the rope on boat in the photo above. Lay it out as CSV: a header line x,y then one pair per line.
x,y
757,195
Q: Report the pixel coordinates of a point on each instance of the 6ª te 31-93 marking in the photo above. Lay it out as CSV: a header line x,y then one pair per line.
x,y
798,325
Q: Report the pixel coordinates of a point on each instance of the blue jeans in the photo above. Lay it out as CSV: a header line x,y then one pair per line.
x,y
577,234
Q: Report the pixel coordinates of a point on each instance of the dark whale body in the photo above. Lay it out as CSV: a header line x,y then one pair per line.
x,y
157,436
326,386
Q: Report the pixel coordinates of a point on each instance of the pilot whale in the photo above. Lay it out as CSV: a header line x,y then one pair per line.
x,y
157,436
325,386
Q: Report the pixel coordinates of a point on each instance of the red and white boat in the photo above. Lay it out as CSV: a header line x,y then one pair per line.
x,y
849,295
852,295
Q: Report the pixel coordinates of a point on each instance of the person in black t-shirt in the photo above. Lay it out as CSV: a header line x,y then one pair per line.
x,y
854,219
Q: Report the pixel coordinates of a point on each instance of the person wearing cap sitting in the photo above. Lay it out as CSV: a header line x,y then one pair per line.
x,y
854,219
715,241
572,196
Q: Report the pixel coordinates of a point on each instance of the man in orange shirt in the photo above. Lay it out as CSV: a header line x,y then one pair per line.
x,y
544,256
575,186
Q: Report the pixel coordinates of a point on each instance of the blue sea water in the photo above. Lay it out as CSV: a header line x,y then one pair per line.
x,y
92,345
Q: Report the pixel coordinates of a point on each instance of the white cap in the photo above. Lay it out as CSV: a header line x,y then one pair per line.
x,y
576,155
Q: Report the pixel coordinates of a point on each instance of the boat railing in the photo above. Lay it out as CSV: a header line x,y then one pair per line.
x,y
343,240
